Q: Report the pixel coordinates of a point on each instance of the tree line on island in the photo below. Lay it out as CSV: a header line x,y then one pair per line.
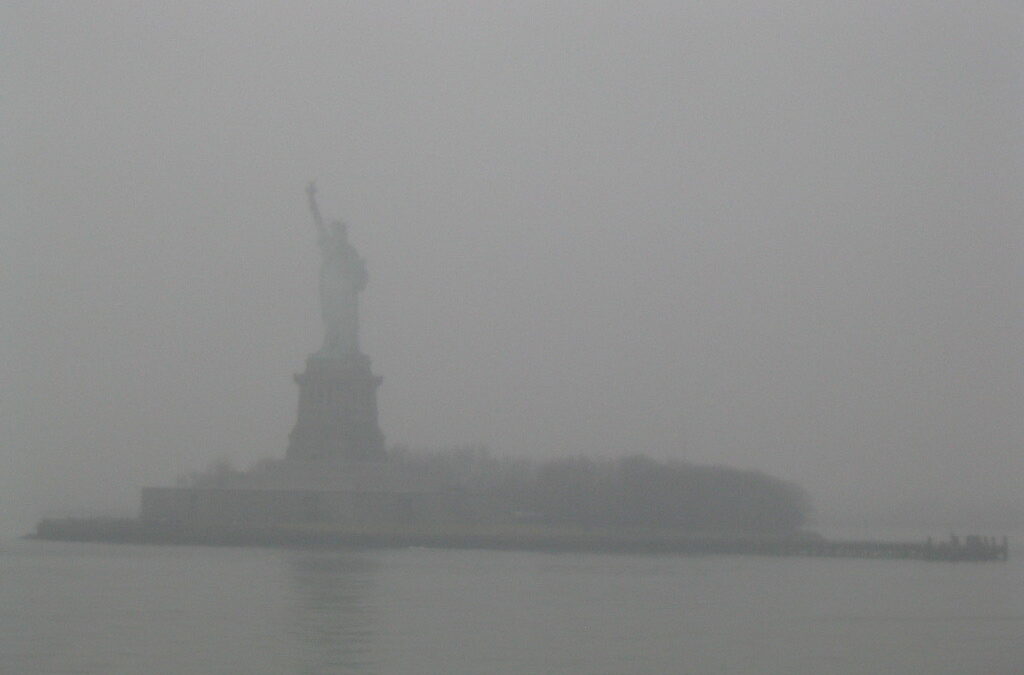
x,y
634,491
630,492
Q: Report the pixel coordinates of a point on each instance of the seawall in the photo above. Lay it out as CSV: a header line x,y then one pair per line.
x,y
512,537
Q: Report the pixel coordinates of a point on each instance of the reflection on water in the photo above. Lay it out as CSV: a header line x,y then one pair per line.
x,y
97,609
333,617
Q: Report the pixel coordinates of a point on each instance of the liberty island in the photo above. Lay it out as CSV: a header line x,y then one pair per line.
x,y
338,486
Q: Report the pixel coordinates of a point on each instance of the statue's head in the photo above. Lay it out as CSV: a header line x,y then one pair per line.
x,y
339,228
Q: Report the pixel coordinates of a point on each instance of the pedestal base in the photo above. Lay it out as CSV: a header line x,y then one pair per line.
x,y
337,417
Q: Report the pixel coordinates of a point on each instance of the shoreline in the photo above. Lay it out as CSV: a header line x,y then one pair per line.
x,y
552,539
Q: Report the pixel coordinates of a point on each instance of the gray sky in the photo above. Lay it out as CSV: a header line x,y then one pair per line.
x,y
782,237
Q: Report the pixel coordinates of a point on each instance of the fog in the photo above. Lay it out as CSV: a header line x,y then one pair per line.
x,y
784,238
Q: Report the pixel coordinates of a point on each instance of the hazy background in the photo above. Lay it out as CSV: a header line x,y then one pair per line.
x,y
785,238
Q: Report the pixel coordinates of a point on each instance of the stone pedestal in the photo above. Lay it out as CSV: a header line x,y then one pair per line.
x,y
337,416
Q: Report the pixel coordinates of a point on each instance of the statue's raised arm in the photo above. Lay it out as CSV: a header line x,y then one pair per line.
x,y
317,218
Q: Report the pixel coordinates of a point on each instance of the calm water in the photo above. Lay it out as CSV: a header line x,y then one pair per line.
x,y
84,608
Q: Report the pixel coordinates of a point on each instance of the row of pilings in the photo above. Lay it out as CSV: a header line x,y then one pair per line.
x,y
970,548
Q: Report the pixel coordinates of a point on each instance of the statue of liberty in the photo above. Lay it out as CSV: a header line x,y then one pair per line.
x,y
342,278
